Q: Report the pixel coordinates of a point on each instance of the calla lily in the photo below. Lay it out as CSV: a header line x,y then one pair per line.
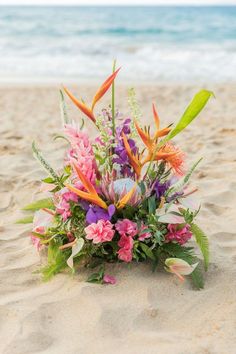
x,y
179,267
76,248
88,111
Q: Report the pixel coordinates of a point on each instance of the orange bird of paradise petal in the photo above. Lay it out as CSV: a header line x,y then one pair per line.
x,y
82,106
91,194
124,200
144,136
103,89
156,117
86,183
134,160
162,132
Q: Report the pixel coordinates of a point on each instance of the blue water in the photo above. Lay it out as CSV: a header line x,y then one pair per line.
x,y
151,43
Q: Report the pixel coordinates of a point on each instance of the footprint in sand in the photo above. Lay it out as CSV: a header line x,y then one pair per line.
x,y
226,242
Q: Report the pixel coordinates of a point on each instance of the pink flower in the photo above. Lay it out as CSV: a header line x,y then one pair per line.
x,y
178,235
81,152
42,219
109,279
102,231
125,252
62,202
144,234
126,227
36,242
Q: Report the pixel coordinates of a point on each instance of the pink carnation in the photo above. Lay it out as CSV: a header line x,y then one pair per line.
x,y
102,231
126,227
178,235
143,234
125,252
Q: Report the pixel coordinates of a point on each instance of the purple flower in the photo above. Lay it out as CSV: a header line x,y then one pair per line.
x,y
161,188
96,213
120,151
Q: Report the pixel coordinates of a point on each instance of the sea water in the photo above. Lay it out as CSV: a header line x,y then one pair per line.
x,y
152,44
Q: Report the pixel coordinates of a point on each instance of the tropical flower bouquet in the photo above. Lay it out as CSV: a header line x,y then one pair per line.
x,y
123,196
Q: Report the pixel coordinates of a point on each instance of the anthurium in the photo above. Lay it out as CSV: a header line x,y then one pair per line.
x,y
179,267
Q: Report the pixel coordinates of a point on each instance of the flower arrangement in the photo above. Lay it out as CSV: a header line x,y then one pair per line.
x,y
123,196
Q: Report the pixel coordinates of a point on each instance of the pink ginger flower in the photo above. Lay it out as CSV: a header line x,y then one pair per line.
x,y
143,234
102,231
126,246
126,227
81,153
180,236
62,199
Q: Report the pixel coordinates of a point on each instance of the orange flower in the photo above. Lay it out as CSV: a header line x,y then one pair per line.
x,y
144,134
88,111
173,156
134,159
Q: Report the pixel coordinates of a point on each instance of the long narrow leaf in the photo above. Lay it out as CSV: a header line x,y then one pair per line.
x,y
197,104
64,115
26,220
183,181
40,204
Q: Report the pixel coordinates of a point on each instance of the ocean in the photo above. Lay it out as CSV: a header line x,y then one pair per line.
x,y
152,44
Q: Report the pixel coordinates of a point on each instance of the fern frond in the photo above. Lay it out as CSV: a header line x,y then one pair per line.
x,y
202,242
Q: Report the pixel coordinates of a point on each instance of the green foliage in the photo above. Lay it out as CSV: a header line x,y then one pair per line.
x,y
97,278
186,253
26,220
183,181
56,261
202,242
148,252
196,105
64,115
40,204
38,155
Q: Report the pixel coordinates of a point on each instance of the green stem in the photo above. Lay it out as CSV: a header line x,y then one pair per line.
x,y
113,102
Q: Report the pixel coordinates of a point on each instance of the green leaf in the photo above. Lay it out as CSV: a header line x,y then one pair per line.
x,y
202,242
40,204
25,220
147,251
197,104
184,180
56,261
64,115
97,278
38,155
197,278
152,204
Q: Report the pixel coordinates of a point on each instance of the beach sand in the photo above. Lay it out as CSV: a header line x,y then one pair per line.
x,y
145,312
